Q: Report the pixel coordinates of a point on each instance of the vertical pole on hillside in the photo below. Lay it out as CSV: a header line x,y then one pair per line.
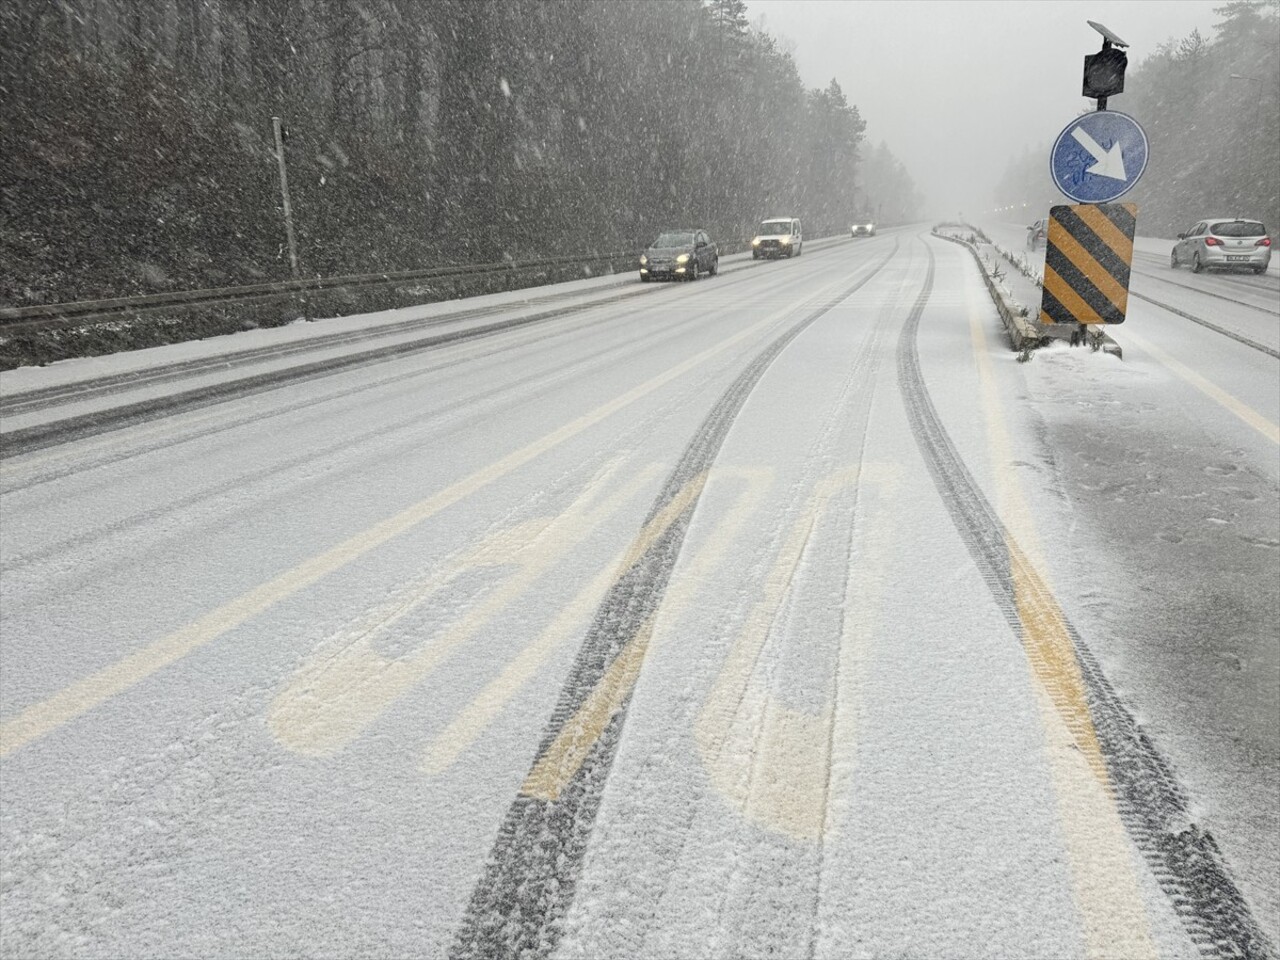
x,y
278,131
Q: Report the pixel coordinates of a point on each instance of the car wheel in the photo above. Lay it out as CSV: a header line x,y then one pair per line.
x,y
755,254
1196,265
1259,270
644,278
696,272
1173,259
715,267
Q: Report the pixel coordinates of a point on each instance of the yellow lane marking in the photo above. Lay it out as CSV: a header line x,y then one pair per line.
x,y
558,765
711,553
467,727
445,749
1065,295
555,768
348,683
1095,272
777,771
1051,651
793,735
1253,418
88,692
1100,856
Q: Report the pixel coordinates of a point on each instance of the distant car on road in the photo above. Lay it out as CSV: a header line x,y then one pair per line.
x,y
864,228
680,255
1036,234
778,237
1228,243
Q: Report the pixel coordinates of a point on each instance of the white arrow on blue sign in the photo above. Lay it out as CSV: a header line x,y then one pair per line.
x,y
1098,156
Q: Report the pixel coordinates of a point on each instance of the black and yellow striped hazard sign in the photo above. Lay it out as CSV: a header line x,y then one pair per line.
x,y
1086,263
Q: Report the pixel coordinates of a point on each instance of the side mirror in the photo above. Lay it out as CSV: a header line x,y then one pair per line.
x,y
1182,236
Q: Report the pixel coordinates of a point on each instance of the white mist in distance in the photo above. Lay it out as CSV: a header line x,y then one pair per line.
x,y
957,89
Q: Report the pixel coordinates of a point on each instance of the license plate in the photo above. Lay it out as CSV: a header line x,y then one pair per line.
x,y
1229,257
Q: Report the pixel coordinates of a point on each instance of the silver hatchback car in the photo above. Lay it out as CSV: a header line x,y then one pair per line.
x,y
1224,243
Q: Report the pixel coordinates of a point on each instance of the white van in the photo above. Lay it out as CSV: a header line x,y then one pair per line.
x,y
778,237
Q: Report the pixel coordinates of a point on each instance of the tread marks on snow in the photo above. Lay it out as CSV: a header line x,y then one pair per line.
x,y
519,904
1184,858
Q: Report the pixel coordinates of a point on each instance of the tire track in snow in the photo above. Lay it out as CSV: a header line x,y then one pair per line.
x,y
33,400
40,436
529,881
1210,325
30,401
407,426
1270,311
1184,857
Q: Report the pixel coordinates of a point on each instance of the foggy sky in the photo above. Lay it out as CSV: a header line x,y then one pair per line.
x,y
956,88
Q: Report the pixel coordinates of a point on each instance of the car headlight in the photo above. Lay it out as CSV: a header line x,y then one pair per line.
x,y
683,258
755,242
787,241
643,260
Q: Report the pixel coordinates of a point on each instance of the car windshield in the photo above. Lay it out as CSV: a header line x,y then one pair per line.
x,y
1238,228
773,227
674,240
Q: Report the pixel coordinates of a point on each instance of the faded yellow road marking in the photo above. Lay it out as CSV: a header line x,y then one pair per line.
x,y
1267,428
1100,855
88,692
348,683
794,746
466,728
557,766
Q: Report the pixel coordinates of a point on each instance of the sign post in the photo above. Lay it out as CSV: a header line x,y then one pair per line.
x,y
278,132
1097,158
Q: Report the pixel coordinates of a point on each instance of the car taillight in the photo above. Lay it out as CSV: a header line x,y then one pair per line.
x,y
1264,242
1212,242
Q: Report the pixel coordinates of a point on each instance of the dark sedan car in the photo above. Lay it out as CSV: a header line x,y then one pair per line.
x,y
680,255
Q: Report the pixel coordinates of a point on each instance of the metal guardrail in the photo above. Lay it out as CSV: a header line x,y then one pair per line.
x,y
87,310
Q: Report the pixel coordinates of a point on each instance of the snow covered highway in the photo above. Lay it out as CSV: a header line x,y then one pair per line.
x,y
783,613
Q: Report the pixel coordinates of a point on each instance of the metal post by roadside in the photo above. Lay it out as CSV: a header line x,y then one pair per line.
x,y
1257,103
277,129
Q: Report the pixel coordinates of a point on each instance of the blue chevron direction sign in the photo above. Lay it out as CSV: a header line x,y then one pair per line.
x,y
1098,156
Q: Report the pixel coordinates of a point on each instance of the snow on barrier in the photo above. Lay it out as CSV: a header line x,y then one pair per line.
x,y
1024,333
